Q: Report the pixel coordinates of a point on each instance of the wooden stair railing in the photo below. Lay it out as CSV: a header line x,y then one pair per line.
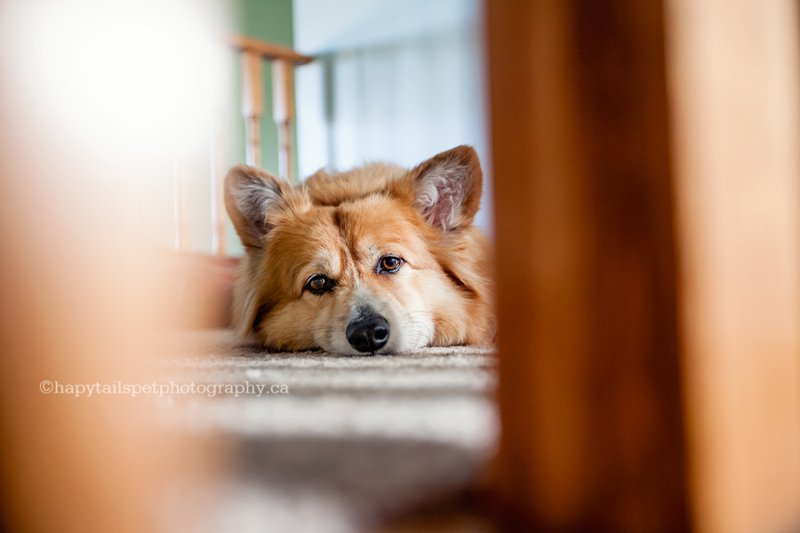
x,y
252,54
206,281
283,61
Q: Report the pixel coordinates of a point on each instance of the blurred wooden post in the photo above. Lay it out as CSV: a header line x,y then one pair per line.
x,y
283,113
180,214
649,378
217,173
589,383
734,69
252,105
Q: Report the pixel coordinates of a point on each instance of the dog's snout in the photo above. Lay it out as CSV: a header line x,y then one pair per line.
x,y
368,333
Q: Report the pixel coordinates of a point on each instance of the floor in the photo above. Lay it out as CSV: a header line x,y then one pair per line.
x,y
334,443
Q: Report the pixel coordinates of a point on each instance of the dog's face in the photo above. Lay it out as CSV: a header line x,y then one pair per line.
x,y
362,262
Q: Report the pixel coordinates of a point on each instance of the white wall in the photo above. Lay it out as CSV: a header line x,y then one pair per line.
x,y
395,80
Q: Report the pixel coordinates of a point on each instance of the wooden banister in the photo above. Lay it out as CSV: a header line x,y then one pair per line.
x,y
252,105
283,113
268,50
283,61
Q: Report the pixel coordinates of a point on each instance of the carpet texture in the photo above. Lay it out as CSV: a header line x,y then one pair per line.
x,y
343,442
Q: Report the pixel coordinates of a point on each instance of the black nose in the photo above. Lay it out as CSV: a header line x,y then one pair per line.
x,y
368,333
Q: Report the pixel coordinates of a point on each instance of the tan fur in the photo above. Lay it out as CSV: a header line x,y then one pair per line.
x,y
340,225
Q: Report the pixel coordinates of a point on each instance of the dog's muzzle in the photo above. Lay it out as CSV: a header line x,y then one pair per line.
x,y
368,333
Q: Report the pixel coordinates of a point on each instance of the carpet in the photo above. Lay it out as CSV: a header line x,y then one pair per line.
x,y
319,442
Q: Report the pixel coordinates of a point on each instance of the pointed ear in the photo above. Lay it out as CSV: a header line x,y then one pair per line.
x,y
251,197
447,188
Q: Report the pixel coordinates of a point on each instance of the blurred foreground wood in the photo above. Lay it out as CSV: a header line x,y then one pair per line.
x,y
734,70
590,393
81,299
648,377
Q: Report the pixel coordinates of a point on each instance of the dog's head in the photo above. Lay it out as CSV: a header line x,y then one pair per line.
x,y
376,260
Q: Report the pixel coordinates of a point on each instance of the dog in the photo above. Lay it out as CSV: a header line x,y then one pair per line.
x,y
376,260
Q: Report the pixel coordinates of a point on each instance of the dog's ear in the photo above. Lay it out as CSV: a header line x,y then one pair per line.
x,y
447,188
252,198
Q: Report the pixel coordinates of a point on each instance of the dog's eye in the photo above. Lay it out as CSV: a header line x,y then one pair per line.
x,y
389,264
319,284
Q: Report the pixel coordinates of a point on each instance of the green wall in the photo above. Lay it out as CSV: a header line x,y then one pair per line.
x,y
270,20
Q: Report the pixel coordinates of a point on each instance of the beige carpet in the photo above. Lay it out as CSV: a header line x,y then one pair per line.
x,y
354,441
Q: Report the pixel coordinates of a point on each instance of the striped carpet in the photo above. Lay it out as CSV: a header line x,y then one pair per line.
x,y
317,442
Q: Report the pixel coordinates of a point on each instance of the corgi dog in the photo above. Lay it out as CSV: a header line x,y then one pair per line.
x,y
376,260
